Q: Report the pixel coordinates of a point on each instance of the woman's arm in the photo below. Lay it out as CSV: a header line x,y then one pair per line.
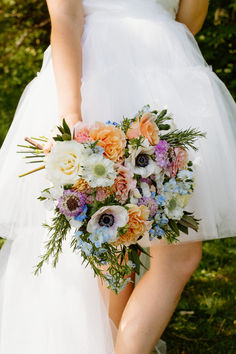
x,y
192,13
67,22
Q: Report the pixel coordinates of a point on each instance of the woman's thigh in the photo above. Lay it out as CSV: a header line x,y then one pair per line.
x,y
181,258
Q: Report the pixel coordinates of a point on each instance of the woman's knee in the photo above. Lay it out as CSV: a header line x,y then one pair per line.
x,y
181,260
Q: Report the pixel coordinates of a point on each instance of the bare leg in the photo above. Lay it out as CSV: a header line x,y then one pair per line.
x,y
153,301
117,302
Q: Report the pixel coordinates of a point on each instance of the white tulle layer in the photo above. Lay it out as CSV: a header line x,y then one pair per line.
x,y
130,58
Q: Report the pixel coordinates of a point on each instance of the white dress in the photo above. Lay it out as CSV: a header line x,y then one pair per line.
x,y
134,53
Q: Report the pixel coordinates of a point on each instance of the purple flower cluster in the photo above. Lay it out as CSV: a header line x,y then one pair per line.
x,y
71,203
150,203
162,154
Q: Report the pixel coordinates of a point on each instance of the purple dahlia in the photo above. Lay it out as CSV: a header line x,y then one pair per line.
x,y
71,203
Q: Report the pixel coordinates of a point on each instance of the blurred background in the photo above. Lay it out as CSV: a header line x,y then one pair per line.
x,y
205,319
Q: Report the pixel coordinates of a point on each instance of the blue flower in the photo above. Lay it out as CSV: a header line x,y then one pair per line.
x,y
151,234
100,251
99,150
131,264
164,220
160,199
77,236
100,236
158,231
82,215
86,248
171,186
109,122
185,174
184,187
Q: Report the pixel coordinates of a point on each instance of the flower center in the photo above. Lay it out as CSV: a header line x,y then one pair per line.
x,y
72,203
106,220
99,170
142,160
172,204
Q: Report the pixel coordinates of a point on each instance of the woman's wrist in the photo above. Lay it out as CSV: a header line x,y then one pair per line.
x,y
71,119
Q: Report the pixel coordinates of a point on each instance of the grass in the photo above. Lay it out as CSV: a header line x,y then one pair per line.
x,y
205,321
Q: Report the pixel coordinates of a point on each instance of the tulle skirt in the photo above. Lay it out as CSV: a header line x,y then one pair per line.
x,y
131,57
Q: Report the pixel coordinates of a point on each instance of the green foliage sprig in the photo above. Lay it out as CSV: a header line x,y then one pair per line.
x,y
183,138
57,230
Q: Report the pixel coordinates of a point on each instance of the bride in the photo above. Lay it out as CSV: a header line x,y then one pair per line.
x,y
108,58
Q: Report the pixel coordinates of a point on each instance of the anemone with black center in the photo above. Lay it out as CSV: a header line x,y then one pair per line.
x,y
142,160
106,220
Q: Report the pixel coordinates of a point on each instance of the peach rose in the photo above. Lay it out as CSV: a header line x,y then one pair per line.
x,y
180,162
134,130
109,137
138,224
81,132
145,126
124,183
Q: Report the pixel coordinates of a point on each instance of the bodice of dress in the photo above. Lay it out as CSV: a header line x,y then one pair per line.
x,y
137,6
170,5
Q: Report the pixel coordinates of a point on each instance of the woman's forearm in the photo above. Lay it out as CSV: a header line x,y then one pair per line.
x,y
67,29
192,13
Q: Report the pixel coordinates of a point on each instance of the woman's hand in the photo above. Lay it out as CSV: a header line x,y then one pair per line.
x,y
72,123
67,21
192,13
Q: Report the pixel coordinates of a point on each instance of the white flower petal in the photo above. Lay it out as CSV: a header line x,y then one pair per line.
x,y
63,162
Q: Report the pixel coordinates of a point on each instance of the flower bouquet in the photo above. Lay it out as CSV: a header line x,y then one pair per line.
x,y
114,184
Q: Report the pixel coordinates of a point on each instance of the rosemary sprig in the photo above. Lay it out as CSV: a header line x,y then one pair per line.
x,y
58,230
184,138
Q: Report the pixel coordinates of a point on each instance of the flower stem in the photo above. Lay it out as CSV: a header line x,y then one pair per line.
x,y
35,170
40,147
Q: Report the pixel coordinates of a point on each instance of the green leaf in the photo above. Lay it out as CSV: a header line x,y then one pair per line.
x,y
134,257
66,127
57,138
66,137
183,228
60,129
162,114
164,126
142,249
174,226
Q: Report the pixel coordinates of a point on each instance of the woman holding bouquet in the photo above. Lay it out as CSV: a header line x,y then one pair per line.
x,y
106,59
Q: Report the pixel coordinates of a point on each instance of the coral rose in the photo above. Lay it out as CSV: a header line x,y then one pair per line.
x,y
124,183
146,127
138,224
180,162
109,137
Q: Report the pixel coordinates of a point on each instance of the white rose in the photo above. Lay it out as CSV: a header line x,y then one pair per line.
x,y
63,162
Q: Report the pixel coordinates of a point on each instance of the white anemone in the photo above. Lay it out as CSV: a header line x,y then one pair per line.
x,y
149,166
112,217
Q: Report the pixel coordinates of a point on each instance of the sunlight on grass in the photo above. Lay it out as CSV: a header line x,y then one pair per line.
x,y
204,321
